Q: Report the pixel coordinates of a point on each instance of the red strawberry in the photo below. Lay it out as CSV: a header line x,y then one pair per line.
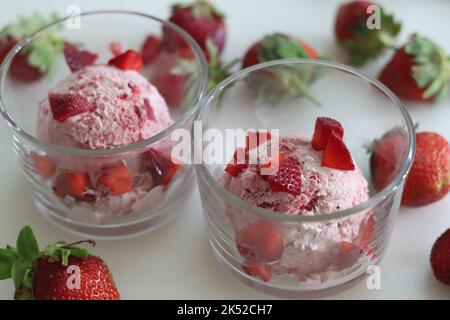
x,y
60,272
129,60
171,87
23,67
429,178
288,177
440,258
74,184
419,71
387,156
277,46
151,49
68,105
161,167
355,37
366,232
202,21
336,154
256,138
260,241
349,254
235,167
258,270
42,165
322,131
78,59
115,48
116,179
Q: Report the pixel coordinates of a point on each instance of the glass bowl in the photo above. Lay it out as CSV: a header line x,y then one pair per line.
x,y
95,212
279,252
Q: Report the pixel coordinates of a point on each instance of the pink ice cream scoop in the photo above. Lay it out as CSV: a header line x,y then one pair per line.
x,y
124,108
306,251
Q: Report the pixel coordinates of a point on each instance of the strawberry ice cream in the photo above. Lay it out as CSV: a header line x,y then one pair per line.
x,y
105,107
303,186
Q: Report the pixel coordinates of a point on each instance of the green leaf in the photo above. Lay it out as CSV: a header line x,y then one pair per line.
x,y
18,271
79,253
65,253
27,245
7,258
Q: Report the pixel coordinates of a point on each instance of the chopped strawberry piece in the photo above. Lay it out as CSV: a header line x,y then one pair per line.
x,y
260,241
42,165
161,167
366,232
336,154
288,177
129,60
67,105
256,138
349,254
78,59
258,270
74,184
116,48
116,179
151,48
235,167
322,131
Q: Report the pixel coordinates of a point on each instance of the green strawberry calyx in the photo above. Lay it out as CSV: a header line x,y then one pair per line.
x,y
45,48
431,69
293,80
19,263
201,9
370,43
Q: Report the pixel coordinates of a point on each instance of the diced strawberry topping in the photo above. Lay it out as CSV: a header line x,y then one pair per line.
x,y
116,179
288,177
322,131
256,138
151,48
67,105
236,166
161,167
336,154
74,184
78,59
129,60
366,232
42,165
260,241
258,270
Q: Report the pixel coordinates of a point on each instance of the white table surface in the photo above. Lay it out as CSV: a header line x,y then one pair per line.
x,y
175,261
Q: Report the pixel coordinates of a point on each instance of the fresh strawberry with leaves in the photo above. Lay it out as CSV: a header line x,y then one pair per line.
x,y
60,272
440,258
40,55
277,46
160,166
78,59
202,21
356,38
419,71
429,178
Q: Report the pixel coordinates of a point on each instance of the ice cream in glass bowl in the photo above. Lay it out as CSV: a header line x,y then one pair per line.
x,y
288,193
94,137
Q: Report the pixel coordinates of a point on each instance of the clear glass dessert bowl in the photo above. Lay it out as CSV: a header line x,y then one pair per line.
x,y
322,230
103,178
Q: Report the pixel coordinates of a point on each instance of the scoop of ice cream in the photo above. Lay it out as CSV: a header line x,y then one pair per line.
x,y
312,251
126,109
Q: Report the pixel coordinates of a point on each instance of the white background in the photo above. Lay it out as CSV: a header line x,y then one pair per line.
x,y
175,261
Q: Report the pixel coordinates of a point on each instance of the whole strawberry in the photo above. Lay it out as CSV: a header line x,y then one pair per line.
x,y
419,71
277,46
40,55
440,258
60,272
202,21
429,178
354,36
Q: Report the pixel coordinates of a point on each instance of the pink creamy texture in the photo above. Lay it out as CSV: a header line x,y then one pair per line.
x,y
311,249
128,109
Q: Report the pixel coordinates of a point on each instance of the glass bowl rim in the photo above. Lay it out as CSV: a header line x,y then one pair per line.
x,y
375,199
185,117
